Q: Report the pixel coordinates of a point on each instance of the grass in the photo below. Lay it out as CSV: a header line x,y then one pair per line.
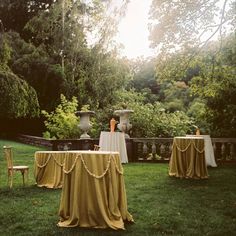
x,y
159,204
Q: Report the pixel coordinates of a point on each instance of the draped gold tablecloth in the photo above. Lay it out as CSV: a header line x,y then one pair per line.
x,y
188,158
48,167
93,193
209,151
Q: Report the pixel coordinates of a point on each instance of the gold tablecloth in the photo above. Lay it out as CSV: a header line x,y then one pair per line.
x,y
209,151
48,168
93,193
188,158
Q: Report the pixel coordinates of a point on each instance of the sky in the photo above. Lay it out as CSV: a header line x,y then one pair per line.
x,y
133,30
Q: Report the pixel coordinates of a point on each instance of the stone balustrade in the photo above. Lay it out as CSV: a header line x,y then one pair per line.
x,y
139,149
156,149
224,149
159,149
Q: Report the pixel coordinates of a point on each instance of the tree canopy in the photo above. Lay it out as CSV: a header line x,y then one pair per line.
x,y
18,99
180,23
54,49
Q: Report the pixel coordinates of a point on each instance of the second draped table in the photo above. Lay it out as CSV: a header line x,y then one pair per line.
x,y
188,158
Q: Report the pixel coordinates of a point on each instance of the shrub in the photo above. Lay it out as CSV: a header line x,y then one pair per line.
x,y
62,123
152,120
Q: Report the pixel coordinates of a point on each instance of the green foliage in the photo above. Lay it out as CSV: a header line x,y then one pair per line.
x,y
53,57
144,76
151,120
39,70
198,110
88,73
18,99
49,52
16,13
85,108
5,53
176,96
200,85
62,123
216,85
97,78
175,105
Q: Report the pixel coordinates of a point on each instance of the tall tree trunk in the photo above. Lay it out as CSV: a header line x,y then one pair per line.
x,y
63,32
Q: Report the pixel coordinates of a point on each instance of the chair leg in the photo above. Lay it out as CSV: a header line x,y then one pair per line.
x,y
25,172
23,176
10,178
27,176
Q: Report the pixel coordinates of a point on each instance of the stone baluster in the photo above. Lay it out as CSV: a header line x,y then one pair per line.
x,y
232,157
214,149
145,150
162,151
223,154
140,150
154,150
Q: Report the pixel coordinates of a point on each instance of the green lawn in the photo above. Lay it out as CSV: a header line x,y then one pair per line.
x,y
159,204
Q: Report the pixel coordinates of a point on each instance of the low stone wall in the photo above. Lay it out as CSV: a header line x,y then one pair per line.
x,y
57,145
74,144
34,140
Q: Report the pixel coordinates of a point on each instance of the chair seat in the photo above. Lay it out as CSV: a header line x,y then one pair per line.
x,y
19,167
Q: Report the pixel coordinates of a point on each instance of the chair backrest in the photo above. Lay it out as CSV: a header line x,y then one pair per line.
x,y
8,155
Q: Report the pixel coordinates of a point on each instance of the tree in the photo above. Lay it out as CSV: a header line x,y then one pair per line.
x,y
216,85
144,75
181,23
89,73
37,68
14,14
5,53
18,99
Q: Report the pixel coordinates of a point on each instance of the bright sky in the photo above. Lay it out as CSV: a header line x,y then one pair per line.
x,y
133,30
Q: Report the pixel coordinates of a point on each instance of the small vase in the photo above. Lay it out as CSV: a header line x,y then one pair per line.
x,y
112,124
198,131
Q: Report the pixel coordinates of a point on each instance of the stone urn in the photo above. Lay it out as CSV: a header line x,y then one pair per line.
x,y
124,124
85,124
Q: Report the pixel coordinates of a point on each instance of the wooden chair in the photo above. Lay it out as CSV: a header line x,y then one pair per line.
x,y
11,168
